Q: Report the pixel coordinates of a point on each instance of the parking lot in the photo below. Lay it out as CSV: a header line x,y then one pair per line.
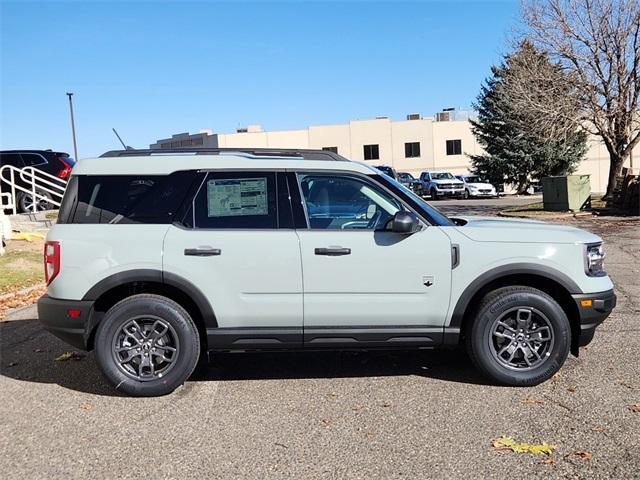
x,y
333,415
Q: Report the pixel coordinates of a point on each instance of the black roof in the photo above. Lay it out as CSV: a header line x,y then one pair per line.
x,y
33,151
294,153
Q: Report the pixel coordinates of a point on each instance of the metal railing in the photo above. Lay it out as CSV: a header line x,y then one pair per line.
x,y
40,186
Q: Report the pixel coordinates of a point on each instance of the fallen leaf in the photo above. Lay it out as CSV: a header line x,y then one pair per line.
x,y
572,389
12,364
635,408
508,443
280,445
386,404
327,421
548,461
597,429
582,455
38,350
85,406
69,356
531,401
357,408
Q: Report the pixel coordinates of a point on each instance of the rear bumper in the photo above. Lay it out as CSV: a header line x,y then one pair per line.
x,y
593,314
55,316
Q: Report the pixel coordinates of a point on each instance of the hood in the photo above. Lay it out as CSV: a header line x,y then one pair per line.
x,y
448,180
499,229
479,185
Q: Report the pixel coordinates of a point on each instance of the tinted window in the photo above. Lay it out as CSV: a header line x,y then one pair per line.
x,y
236,200
454,147
129,198
412,150
371,152
344,202
11,159
32,159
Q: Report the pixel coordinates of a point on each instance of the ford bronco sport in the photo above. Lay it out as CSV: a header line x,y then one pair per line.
x,y
159,258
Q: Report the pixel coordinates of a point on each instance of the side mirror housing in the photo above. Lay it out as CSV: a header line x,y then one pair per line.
x,y
405,222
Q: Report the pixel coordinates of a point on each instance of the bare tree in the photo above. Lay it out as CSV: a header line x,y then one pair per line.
x,y
598,43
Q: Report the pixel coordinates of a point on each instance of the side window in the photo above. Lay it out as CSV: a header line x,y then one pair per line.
x,y
12,159
33,159
126,198
237,200
335,202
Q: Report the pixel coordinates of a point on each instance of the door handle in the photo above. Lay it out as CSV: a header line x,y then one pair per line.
x,y
333,251
202,252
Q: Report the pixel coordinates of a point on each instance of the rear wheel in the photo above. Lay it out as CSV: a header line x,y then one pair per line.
x,y
147,345
520,336
25,202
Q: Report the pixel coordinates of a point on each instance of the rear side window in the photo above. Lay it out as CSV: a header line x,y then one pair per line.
x,y
246,200
33,159
13,159
122,199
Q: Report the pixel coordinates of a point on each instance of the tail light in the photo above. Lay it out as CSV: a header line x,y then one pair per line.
x,y
66,169
51,261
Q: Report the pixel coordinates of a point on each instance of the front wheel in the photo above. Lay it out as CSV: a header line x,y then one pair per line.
x,y
465,195
147,345
520,336
434,194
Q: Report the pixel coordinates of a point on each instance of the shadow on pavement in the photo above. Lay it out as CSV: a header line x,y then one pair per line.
x,y
28,353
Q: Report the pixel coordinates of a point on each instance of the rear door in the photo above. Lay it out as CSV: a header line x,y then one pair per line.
x,y
237,245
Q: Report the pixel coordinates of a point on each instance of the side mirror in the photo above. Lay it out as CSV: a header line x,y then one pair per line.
x,y
404,222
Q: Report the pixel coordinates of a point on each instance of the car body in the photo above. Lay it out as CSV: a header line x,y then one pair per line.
x,y
476,187
409,181
441,184
158,259
58,164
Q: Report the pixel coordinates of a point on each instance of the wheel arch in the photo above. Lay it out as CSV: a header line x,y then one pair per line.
x,y
553,282
114,288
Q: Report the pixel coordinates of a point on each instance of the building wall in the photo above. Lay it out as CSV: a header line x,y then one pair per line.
x,y
391,137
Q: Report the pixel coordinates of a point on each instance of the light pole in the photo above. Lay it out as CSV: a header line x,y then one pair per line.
x,y
73,127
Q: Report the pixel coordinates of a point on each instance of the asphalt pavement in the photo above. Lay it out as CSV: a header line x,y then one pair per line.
x,y
333,415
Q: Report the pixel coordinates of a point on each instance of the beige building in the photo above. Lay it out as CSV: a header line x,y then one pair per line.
x,y
412,145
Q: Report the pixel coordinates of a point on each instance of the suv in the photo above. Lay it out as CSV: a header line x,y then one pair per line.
x,y
58,164
388,171
474,186
441,184
157,260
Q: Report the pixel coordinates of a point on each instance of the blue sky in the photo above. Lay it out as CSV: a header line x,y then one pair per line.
x,y
151,69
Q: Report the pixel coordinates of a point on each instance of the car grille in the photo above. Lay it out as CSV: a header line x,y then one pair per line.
x,y
484,190
450,185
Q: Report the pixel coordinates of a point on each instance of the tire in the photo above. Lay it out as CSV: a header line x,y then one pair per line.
x,y
160,326
434,194
25,202
490,345
465,195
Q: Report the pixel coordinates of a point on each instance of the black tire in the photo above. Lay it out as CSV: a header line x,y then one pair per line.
x,y
24,203
484,337
180,333
465,195
433,194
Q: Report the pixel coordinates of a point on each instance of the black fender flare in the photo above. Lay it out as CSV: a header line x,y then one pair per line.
x,y
156,276
489,276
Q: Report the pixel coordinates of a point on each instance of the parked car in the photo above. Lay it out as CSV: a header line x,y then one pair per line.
x,y
474,186
388,171
409,181
441,184
58,164
157,260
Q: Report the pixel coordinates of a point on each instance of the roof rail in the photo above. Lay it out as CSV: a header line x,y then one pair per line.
x,y
294,153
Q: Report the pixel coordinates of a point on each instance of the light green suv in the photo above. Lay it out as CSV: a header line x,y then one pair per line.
x,y
161,257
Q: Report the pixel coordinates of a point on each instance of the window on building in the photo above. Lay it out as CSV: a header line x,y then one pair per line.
x,y
371,152
198,141
237,200
412,149
454,147
330,149
165,145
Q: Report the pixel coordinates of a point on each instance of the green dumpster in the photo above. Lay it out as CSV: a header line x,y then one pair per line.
x,y
570,192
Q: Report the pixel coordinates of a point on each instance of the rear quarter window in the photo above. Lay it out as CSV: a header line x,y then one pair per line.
x,y
125,199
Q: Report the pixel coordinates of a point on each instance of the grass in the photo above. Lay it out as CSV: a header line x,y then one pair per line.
x,y
20,269
537,209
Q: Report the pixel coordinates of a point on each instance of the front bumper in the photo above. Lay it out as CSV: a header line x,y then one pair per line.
x,y
481,194
593,308
450,193
66,319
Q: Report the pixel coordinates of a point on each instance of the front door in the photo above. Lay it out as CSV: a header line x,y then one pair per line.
x,y
364,284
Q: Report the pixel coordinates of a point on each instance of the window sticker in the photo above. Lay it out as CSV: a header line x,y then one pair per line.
x,y
237,197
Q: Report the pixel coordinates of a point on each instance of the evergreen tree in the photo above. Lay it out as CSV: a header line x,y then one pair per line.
x,y
517,148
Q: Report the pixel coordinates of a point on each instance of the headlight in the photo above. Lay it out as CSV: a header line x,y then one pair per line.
x,y
594,260
473,187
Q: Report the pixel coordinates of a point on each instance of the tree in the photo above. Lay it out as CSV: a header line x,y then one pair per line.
x,y
521,146
597,42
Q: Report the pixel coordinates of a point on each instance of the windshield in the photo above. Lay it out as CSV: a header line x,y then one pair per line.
x,y
405,177
474,179
442,176
436,216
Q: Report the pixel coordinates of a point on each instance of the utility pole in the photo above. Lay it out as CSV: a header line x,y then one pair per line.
x,y
73,127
